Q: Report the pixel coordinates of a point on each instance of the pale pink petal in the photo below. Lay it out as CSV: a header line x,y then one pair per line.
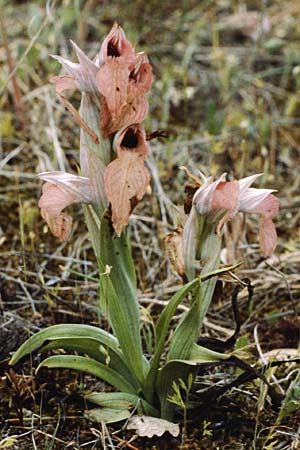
x,y
134,111
268,208
52,202
131,139
251,198
126,178
142,72
116,44
112,82
61,226
63,83
78,187
61,190
268,205
225,198
204,195
267,236
137,105
84,73
245,183
106,124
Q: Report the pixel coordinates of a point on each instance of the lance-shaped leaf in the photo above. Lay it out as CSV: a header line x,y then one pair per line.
x,y
61,190
210,254
107,415
161,329
121,400
127,178
118,296
90,366
187,331
180,369
165,318
95,350
86,339
65,331
191,237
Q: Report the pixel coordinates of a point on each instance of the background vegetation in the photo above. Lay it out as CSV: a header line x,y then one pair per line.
x,y
226,92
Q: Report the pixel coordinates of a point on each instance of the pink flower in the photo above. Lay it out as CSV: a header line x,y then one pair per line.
x,y
123,80
221,200
118,80
61,190
126,177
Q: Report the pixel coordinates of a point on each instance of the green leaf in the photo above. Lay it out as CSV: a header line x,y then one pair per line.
x,y
162,327
95,350
210,252
164,321
107,415
65,331
201,355
119,297
172,372
122,400
175,370
187,331
90,366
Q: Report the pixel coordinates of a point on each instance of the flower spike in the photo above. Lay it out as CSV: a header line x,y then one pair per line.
x,y
221,200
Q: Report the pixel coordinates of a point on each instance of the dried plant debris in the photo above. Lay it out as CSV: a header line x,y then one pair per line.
x,y
152,426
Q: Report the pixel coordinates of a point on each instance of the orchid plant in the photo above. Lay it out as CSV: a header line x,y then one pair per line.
x,y
113,179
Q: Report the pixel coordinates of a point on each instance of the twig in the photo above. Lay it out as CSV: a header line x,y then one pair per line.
x,y
11,155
